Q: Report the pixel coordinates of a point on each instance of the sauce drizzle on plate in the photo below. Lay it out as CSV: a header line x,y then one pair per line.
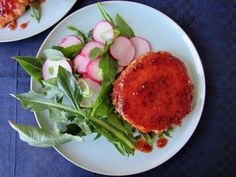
x,y
24,25
143,146
13,25
161,142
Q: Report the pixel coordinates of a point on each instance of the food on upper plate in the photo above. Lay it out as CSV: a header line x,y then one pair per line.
x,y
10,10
154,92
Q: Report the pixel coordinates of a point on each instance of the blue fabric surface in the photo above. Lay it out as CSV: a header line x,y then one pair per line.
x,y
210,152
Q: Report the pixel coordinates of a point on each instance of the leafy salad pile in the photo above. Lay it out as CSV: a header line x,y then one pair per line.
x,y
61,97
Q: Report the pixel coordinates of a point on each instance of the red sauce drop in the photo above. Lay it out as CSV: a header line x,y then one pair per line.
x,y
24,25
13,25
42,1
143,146
161,142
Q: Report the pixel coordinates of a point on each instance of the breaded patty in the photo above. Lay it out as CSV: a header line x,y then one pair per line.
x,y
11,10
154,92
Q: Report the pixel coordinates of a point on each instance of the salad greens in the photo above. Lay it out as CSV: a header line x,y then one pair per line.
x,y
61,97
35,10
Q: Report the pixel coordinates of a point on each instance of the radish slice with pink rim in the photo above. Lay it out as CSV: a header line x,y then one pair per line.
x,y
91,45
50,68
141,46
69,41
103,31
122,50
93,70
80,62
90,86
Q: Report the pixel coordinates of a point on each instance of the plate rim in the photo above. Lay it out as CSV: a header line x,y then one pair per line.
x,y
201,107
40,31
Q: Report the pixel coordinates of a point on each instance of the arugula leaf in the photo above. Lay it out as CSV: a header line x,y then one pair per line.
x,y
115,120
40,102
53,54
84,125
149,138
90,36
109,68
40,137
69,52
166,133
123,27
72,51
31,65
103,104
73,129
68,84
105,15
58,116
120,140
95,53
35,10
78,33
97,136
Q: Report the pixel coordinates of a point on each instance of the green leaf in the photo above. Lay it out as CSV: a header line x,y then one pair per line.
x,y
115,120
40,137
105,15
97,136
35,10
149,138
90,36
56,47
103,104
73,129
120,140
109,68
40,102
72,51
53,54
78,33
68,84
69,52
95,53
31,65
123,27
58,116
84,125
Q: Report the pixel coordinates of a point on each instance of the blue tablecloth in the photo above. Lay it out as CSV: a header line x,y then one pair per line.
x,y
212,149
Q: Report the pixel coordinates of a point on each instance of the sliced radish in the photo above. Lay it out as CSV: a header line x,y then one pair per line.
x,y
119,69
103,32
50,68
122,50
93,70
90,89
80,62
141,46
91,45
69,41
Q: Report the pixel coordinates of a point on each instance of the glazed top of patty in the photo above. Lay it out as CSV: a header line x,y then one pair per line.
x,y
154,92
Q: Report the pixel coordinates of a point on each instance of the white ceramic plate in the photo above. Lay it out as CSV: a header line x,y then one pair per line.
x,y
164,34
51,14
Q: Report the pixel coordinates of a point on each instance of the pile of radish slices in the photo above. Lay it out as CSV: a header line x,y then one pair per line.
x,y
120,48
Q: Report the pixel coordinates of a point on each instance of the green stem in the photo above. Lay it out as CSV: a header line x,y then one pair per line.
x,y
113,130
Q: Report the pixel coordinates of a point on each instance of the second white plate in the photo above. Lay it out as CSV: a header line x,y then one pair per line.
x,y
52,12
